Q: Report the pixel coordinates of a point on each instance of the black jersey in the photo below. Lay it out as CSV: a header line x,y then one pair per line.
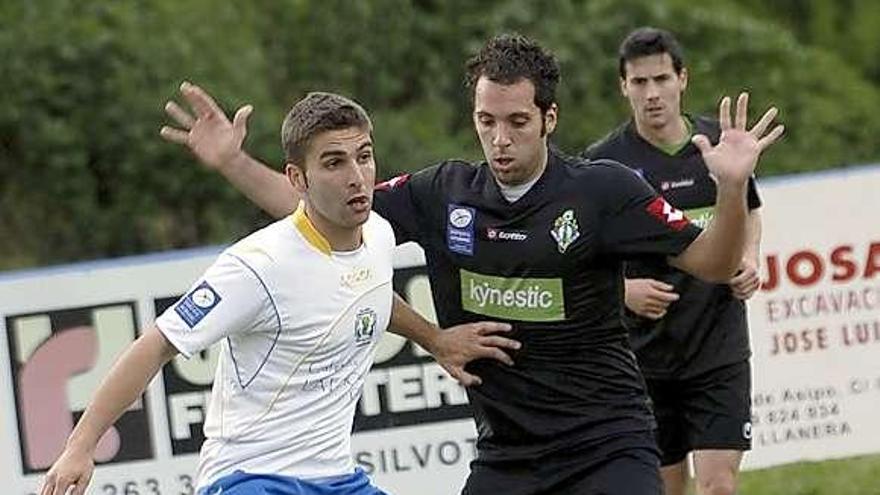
x,y
550,264
706,328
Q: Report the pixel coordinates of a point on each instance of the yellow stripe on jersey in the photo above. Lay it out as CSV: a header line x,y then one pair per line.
x,y
305,227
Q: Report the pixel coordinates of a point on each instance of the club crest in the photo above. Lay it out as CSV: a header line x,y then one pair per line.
x,y
364,326
565,230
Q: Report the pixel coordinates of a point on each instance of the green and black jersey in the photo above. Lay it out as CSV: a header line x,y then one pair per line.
x,y
707,327
551,264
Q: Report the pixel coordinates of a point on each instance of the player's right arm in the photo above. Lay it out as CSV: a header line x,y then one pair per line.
x,y
126,382
232,301
454,347
217,144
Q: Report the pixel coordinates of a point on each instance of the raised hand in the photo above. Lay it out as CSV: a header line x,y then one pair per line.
x,y
733,159
457,346
649,298
207,132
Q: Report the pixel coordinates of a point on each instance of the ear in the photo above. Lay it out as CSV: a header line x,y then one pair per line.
x,y
683,77
550,118
297,178
623,89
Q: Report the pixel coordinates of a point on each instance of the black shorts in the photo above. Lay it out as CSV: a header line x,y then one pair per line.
x,y
709,411
626,464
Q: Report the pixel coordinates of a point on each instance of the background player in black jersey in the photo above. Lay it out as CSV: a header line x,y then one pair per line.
x,y
536,238
690,337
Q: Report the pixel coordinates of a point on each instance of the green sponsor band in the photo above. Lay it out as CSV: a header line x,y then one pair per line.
x,y
523,299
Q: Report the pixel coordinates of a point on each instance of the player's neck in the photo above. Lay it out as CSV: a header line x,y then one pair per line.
x,y
542,159
338,237
673,133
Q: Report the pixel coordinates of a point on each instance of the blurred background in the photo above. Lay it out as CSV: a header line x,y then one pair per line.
x,y
85,175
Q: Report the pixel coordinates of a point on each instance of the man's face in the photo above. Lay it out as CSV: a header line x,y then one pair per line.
x,y
654,90
512,131
338,179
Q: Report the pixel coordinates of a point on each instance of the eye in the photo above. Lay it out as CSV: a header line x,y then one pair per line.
x,y
332,163
518,123
485,121
365,156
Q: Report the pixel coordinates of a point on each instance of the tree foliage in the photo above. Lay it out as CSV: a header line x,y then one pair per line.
x,y
84,173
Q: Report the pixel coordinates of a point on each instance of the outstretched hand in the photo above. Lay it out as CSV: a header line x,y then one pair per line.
x,y
206,131
457,346
734,158
70,474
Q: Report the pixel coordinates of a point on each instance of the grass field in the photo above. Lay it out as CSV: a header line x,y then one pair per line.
x,y
853,476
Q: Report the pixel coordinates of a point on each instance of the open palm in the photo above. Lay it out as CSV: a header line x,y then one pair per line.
x,y
734,158
208,134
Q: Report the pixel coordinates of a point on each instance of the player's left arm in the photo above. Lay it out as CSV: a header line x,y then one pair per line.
x,y
715,255
456,346
746,281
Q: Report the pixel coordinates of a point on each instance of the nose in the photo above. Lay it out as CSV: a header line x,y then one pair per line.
x,y
653,91
501,137
356,176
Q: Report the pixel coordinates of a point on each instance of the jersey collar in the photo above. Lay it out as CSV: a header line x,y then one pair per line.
x,y
693,126
493,188
308,230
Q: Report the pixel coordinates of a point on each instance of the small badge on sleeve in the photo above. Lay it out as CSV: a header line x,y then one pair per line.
x,y
193,307
460,229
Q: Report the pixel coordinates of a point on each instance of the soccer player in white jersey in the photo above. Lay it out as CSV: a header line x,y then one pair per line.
x,y
298,308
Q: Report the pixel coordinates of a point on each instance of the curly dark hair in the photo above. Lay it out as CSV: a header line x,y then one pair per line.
x,y
508,58
315,113
646,41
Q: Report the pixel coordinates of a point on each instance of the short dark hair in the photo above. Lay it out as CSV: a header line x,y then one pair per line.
x,y
507,58
316,113
646,41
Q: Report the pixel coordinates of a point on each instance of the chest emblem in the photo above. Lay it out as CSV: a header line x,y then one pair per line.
x,y
565,230
364,326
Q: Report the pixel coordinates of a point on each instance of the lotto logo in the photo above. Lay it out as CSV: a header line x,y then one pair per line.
x,y
57,360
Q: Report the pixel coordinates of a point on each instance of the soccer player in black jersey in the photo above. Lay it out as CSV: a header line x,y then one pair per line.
x,y
690,337
537,239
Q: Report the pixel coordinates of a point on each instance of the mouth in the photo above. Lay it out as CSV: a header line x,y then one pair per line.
x,y
359,203
503,162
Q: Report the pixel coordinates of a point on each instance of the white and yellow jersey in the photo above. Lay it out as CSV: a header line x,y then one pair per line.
x,y
298,324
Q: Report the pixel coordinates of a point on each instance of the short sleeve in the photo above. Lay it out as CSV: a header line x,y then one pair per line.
x,y
230,298
637,221
591,152
401,201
